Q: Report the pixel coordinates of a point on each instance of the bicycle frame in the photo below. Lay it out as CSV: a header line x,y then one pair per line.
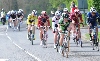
x,y
44,35
31,34
95,39
66,43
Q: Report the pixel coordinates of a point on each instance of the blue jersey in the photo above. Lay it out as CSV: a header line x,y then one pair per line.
x,y
7,17
92,19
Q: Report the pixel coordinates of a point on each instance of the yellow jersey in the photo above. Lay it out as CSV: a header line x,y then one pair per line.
x,y
31,19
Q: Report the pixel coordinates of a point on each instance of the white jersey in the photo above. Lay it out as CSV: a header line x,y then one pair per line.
x,y
3,14
54,21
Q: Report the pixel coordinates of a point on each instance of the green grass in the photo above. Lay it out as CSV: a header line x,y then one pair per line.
x,y
88,37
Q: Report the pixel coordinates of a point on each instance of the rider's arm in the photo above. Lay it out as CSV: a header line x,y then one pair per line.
x,y
81,20
88,18
39,21
53,23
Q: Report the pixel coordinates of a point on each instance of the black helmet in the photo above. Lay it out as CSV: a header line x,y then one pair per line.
x,y
65,15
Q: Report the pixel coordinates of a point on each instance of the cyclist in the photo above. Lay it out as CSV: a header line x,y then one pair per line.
x,y
73,7
76,18
19,16
22,12
92,16
55,21
42,21
31,23
65,10
13,18
8,18
3,16
63,26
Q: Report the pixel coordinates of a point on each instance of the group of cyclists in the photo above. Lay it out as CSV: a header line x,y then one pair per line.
x,y
13,17
62,22
66,21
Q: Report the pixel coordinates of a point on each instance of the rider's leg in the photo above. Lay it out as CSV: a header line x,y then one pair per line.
x,y
33,31
41,35
73,31
61,41
90,33
55,39
79,33
29,27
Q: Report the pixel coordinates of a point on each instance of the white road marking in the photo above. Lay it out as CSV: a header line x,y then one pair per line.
x,y
22,48
4,59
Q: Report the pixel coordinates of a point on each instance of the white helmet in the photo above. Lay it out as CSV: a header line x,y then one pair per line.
x,y
19,11
9,13
57,13
93,10
12,12
65,9
34,12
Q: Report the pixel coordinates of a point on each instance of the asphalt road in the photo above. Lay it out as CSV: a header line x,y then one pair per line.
x,y
15,47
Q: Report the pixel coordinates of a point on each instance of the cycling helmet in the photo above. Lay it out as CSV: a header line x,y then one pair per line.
x,y
43,12
65,15
19,12
9,13
65,9
34,12
2,9
12,12
93,10
57,13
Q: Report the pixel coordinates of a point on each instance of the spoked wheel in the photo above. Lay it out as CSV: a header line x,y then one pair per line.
x,y
63,53
98,44
19,27
93,43
32,39
57,47
44,43
81,43
67,54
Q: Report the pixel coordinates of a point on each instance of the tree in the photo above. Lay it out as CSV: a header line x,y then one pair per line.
x,y
96,4
14,5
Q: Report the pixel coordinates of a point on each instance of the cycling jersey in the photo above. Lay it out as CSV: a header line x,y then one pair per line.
x,y
55,22
42,20
76,19
92,19
19,15
31,19
3,14
13,16
72,9
63,25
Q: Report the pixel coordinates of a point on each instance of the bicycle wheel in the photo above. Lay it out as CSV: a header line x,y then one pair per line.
x,y
32,41
19,27
63,52
57,45
98,43
81,43
93,41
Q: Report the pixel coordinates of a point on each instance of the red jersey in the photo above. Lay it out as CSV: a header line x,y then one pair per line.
x,y
42,20
76,19
72,9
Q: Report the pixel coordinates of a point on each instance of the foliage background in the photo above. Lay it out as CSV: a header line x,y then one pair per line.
x,y
39,5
